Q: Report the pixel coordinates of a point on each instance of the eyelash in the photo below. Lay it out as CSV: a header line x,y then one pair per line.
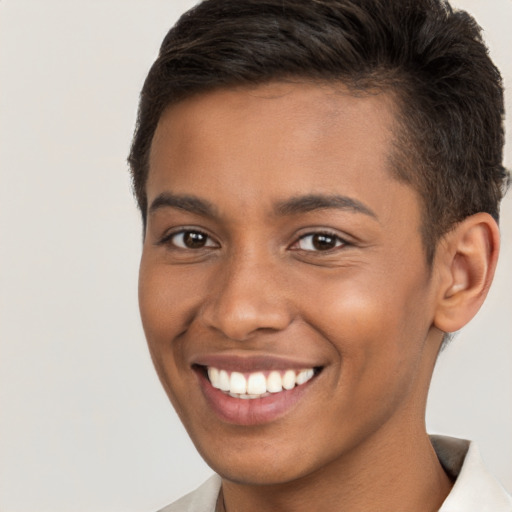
x,y
338,241
329,237
170,239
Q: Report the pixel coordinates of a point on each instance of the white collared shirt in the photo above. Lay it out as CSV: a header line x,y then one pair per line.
x,y
474,490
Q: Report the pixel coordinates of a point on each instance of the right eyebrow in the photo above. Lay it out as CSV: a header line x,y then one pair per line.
x,y
311,202
188,203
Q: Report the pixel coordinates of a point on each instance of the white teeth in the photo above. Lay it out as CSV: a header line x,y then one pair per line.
x,y
223,381
289,379
213,375
237,383
304,376
274,382
256,385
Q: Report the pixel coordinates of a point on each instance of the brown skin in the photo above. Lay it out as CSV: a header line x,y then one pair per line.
x,y
369,311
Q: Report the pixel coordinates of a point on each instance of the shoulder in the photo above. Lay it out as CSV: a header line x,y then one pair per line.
x,y
203,499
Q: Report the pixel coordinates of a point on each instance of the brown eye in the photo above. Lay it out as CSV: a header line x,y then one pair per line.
x,y
191,240
194,240
319,242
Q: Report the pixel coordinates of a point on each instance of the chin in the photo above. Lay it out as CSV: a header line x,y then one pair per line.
x,y
262,463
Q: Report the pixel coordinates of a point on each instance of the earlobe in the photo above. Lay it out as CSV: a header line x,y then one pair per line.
x,y
466,261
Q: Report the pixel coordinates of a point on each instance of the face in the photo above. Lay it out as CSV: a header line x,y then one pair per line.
x,y
283,286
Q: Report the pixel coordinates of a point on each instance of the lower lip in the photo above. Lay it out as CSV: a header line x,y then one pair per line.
x,y
254,411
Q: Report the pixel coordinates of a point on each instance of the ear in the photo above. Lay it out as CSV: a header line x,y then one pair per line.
x,y
466,260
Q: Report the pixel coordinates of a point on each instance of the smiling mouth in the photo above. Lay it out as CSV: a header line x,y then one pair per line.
x,y
257,384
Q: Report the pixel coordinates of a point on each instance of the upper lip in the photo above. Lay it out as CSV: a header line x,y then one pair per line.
x,y
251,363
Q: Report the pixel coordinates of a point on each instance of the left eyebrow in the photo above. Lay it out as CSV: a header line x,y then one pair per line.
x,y
311,202
188,203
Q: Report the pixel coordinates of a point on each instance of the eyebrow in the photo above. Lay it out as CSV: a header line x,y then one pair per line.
x,y
311,202
293,206
183,202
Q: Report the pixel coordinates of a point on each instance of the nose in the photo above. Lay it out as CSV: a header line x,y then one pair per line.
x,y
248,296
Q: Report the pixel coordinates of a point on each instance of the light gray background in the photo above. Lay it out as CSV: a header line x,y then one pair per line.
x,y
84,425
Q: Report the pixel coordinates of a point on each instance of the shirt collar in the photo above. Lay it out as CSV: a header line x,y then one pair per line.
x,y
475,489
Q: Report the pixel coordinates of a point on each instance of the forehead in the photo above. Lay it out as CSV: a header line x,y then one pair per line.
x,y
276,139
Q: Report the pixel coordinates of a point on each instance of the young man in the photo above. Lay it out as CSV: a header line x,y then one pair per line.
x,y
319,182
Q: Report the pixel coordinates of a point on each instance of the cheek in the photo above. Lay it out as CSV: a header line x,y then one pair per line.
x,y
161,302
165,307
352,304
167,299
373,325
